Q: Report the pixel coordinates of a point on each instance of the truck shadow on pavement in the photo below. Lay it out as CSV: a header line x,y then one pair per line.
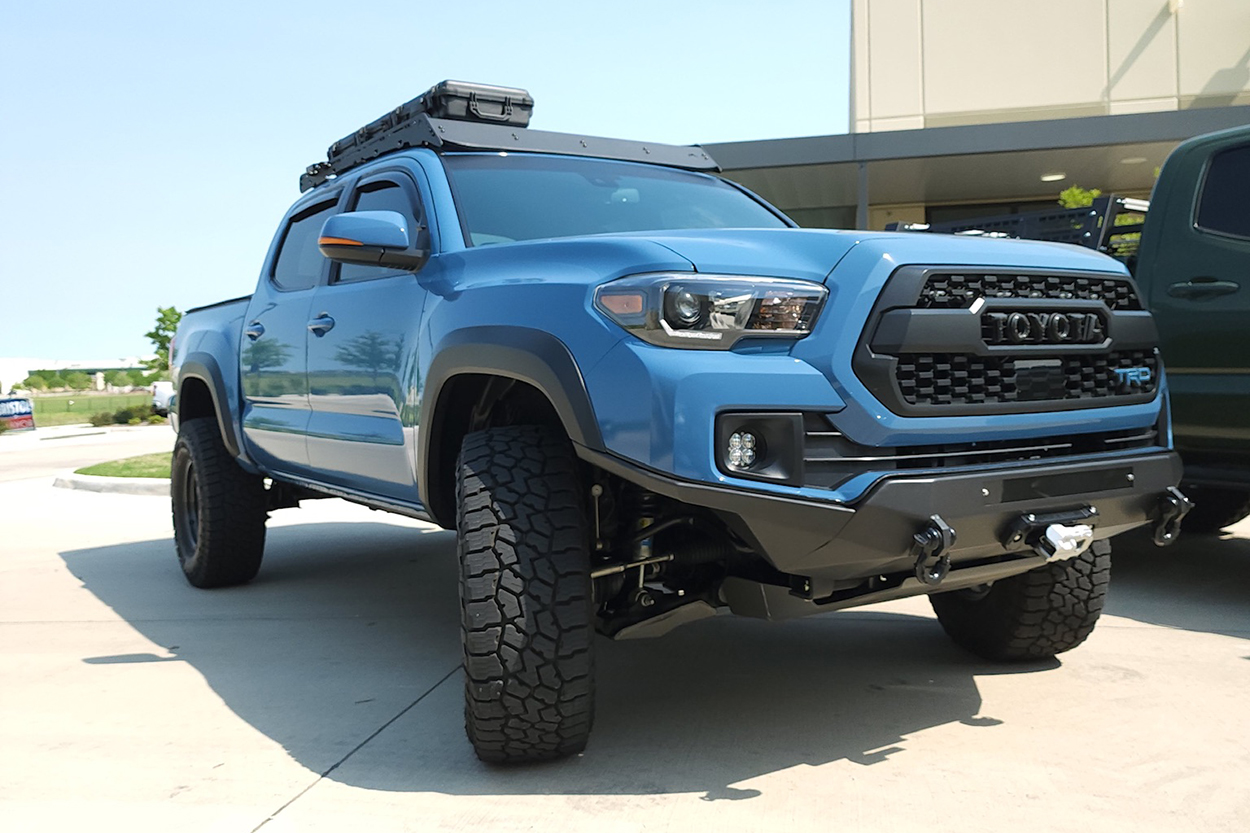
x,y
351,628
1200,583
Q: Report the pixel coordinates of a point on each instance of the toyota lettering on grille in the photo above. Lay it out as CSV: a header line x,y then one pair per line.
x,y
1043,328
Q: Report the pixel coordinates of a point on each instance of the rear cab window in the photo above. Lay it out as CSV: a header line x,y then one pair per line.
x,y
299,264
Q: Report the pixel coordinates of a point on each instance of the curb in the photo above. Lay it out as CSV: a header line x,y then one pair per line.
x,y
152,486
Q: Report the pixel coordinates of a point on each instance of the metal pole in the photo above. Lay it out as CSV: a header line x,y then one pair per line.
x,y
861,198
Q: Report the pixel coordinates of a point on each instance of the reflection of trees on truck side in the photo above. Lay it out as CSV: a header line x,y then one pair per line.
x,y
257,358
369,351
264,354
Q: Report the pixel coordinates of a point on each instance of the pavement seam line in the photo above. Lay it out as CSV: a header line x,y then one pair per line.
x,y
356,749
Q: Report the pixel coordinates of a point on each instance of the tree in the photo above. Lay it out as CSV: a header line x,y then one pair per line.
x,y
77,380
1078,197
167,319
54,380
119,378
35,382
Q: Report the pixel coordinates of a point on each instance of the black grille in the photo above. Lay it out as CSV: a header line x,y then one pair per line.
x,y
830,458
943,291
956,379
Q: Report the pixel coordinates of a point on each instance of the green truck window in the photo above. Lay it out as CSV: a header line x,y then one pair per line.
x,y
1223,207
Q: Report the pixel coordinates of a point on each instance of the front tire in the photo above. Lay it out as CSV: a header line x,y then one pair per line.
x,y
527,623
1034,615
219,509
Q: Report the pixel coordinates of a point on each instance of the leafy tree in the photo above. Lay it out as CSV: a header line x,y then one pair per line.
x,y
120,378
54,380
167,319
35,382
1078,197
77,380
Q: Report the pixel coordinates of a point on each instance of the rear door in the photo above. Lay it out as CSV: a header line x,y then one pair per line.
x,y
273,363
1199,286
362,360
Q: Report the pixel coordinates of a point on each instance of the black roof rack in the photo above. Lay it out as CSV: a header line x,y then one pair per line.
x,y
459,116
1112,224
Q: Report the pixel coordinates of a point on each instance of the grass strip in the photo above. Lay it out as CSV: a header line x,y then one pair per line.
x,y
145,465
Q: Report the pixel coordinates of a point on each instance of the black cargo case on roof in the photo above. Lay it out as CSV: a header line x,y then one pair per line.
x,y
455,115
448,100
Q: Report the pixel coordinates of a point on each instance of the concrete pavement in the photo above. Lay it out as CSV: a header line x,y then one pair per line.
x,y
56,450
326,696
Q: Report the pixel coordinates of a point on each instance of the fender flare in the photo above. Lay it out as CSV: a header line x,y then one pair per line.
x,y
535,357
204,366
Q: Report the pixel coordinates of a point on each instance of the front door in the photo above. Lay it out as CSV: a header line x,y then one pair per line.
x,y
362,361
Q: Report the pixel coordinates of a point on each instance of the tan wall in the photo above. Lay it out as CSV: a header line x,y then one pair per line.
x,y
932,63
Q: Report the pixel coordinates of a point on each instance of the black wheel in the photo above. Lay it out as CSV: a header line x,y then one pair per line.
x,y
1034,615
527,622
1214,509
219,509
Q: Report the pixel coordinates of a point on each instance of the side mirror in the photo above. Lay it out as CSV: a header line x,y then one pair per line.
x,y
371,238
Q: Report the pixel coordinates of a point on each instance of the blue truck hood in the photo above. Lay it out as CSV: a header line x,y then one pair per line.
x,y
774,253
808,254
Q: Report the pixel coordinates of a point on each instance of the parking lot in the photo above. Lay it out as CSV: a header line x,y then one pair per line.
x,y
326,696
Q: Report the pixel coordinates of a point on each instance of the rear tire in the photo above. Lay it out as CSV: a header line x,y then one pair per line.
x,y
1034,615
527,621
1214,509
219,510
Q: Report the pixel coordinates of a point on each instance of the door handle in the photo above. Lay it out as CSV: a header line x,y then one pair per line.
x,y
254,330
321,325
1202,288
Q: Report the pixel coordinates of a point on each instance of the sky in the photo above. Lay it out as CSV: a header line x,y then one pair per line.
x,y
150,149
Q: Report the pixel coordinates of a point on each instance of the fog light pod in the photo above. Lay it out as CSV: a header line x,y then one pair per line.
x,y
761,446
742,449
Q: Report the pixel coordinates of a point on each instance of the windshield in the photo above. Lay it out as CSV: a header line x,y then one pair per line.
x,y
504,197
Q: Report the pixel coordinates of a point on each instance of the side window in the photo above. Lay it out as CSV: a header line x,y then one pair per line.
x,y
381,195
1223,207
299,261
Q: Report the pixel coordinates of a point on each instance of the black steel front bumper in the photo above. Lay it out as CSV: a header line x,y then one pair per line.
x,y
876,535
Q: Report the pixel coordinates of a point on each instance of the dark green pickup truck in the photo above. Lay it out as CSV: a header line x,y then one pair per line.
x,y
1193,266
1191,259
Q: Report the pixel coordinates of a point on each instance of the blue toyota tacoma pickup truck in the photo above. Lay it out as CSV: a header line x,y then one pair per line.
x,y
641,395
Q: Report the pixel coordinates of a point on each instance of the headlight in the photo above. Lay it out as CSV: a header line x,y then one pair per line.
x,y
710,312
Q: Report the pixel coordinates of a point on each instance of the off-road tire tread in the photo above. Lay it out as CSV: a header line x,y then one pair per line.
x,y
527,622
232,510
1030,616
1214,509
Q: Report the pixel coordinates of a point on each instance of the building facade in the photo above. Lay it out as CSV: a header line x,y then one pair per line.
x,y
941,63
964,108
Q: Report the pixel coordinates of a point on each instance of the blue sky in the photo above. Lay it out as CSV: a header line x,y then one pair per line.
x,y
149,149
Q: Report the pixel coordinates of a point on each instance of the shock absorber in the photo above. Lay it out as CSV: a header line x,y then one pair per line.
x,y
645,507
